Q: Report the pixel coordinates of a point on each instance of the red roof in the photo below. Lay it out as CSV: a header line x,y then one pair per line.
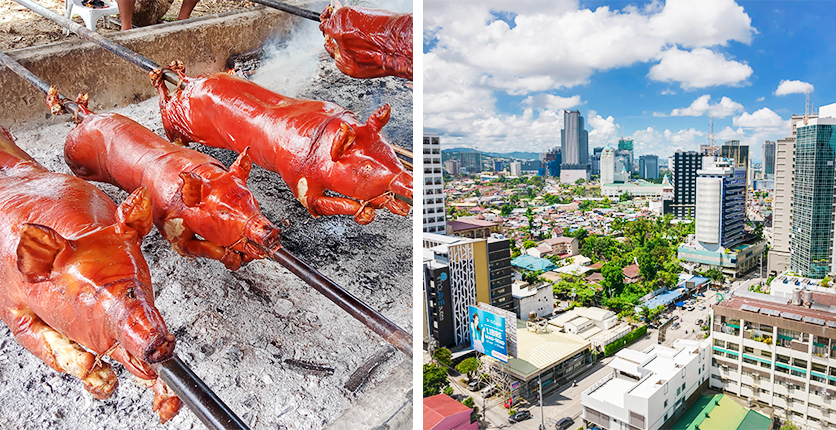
x,y
595,277
596,266
439,407
469,224
631,271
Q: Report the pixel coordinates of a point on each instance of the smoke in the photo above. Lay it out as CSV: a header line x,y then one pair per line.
x,y
289,64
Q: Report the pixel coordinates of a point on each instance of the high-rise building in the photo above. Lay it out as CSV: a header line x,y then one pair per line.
x,y
434,217
472,161
452,167
779,254
649,166
574,147
497,166
459,272
720,203
768,159
625,154
607,166
684,167
739,153
516,168
595,160
811,247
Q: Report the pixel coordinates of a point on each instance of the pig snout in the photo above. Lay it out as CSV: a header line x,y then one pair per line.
x,y
143,334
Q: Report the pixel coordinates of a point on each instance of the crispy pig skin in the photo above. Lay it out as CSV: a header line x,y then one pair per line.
x,y
191,193
313,145
368,43
74,285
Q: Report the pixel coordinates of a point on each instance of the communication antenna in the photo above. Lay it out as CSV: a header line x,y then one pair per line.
x,y
808,105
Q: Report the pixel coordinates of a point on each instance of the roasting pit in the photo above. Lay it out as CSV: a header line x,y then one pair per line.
x,y
277,352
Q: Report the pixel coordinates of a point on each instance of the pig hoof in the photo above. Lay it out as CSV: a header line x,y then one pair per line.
x,y
232,260
101,382
365,216
166,403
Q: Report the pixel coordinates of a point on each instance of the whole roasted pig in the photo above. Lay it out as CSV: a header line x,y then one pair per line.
x,y
368,43
191,193
313,145
74,286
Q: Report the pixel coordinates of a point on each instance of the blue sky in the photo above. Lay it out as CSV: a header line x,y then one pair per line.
x,y
497,74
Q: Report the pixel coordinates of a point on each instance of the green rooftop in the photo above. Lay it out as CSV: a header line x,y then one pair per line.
x,y
720,412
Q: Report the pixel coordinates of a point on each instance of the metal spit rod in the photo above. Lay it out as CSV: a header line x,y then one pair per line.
x,y
342,298
203,402
368,316
284,7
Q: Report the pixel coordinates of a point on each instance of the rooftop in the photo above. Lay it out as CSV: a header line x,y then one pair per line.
x,y
472,223
439,407
539,351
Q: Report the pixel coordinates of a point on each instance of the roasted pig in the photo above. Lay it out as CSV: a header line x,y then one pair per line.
x,y
74,286
368,43
192,194
313,145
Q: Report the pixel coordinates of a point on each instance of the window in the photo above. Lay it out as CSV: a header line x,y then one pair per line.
x,y
677,391
666,404
683,387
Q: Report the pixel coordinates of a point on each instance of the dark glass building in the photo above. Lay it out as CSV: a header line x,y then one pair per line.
x,y
684,167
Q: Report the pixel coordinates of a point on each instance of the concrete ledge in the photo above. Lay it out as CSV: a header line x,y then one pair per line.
x,y
203,44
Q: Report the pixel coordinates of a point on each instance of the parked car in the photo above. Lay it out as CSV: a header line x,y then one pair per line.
x,y
701,307
675,325
473,385
487,391
699,322
564,423
519,416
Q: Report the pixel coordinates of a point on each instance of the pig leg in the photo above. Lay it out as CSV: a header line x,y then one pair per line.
x,y
166,403
186,243
326,205
59,352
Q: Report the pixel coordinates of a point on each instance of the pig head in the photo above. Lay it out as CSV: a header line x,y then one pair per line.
x,y
353,159
74,285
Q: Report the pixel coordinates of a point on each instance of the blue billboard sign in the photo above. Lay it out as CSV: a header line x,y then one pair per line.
x,y
487,333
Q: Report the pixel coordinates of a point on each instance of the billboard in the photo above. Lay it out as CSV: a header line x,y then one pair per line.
x,y
487,333
510,326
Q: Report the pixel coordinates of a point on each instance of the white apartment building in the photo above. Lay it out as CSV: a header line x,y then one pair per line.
x,y
780,351
435,220
647,388
516,168
533,298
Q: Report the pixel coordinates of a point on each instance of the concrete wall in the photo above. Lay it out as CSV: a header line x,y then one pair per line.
x,y
203,44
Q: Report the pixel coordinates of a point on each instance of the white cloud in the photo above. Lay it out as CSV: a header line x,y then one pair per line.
x,y
701,105
547,46
552,102
760,99
729,133
793,87
762,118
668,92
699,68
603,130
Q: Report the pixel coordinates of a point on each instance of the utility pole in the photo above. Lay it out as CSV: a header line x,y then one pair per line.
x,y
542,416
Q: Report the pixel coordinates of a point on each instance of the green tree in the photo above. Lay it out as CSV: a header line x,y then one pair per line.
x,y
448,391
625,197
789,426
613,280
443,357
468,366
469,402
825,282
506,210
531,276
435,379
529,244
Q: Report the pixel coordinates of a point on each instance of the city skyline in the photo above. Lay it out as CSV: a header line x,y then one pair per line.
x,y
501,79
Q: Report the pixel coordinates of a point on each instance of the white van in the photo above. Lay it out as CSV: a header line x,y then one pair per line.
x,y
487,391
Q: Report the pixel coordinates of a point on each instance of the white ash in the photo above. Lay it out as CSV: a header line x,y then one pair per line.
x,y
275,350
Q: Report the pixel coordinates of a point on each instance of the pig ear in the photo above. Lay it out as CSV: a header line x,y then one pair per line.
x,y
36,252
192,188
242,166
343,139
380,117
135,213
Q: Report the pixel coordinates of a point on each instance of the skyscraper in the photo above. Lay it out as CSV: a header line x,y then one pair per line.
x,y
739,153
625,153
649,166
434,216
684,167
607,166
811,248
721,203
472,162
768,159
595,160
574,148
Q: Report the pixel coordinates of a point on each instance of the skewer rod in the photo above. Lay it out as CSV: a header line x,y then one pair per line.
x,y
284,7
33,79
205,404
342,298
